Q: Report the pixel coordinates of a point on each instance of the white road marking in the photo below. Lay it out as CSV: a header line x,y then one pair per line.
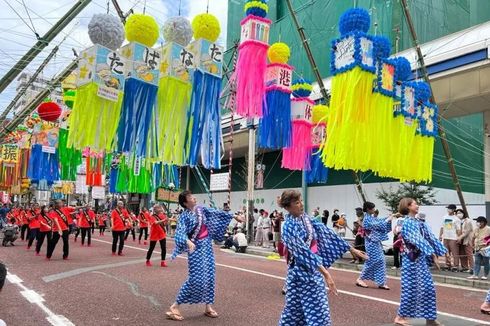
x,y
482,322
36,299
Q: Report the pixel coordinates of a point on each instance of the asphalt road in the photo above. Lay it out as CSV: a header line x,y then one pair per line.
x,y
95,288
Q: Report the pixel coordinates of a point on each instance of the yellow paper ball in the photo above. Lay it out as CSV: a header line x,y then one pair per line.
x,y
206,26
142,29
320,112
278,53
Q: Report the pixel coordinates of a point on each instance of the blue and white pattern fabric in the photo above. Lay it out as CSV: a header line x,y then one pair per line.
x,y
200,285
306,296
418,294
487,300
377,230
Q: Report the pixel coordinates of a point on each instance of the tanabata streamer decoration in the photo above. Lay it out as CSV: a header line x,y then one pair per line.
x,y
94,163
43,162
163,175
421,129
252,59
174,91
134,175
49,111
297,155
275,125
141,86
353,69
203,132
70,158
318,172
97,108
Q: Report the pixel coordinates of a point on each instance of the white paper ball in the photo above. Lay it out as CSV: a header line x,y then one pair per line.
x,y
106,30
178,30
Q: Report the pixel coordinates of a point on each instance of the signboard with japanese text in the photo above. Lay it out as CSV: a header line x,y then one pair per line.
x,y
279,76
163,194
142,62
344,52
103,66
208,56
9,153
301,109
219,181
176,61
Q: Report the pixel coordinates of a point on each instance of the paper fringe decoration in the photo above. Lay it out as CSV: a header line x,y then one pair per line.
x,y
136,113
70,158
297,156
203,135
93,120
173,100
43,166
275,126
318,172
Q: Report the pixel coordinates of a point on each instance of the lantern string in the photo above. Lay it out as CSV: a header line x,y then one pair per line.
x,y
207,8
180,6
144,8
108,6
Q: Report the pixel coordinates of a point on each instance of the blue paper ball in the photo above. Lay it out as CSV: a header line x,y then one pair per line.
x,y
403,68
257,8
382,47
259,12
301,88
354,20
422,91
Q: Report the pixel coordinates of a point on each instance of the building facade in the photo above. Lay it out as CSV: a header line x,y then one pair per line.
x,y
33,90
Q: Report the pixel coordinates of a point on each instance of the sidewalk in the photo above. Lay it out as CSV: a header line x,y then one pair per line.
x,y
445,277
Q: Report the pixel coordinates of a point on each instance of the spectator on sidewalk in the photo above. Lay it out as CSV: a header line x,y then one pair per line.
x,y
325,215
276,225
464,242
240,242
481,236
341,225
449,233
397,229
10,232
335,218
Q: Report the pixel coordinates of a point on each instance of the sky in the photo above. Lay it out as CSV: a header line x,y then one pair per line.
x,y
17,33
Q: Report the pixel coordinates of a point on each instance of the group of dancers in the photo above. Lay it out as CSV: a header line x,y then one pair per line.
x,y
311,249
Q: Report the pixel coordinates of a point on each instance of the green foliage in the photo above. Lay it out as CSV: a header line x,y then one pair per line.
x,y
424,195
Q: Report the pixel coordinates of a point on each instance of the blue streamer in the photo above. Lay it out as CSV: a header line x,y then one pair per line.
x,y
318,172
203,137
43,166
137,109
275,126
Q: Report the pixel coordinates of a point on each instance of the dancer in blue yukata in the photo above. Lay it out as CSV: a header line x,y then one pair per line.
x,y
312,248
421,249
196,228
485,307
376,231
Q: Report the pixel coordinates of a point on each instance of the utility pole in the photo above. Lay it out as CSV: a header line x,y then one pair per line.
x,y
17,97
442,132
323,91
42,43
38,99
250,179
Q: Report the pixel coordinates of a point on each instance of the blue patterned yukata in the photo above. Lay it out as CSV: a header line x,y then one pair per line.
x,y
200,285
418,294
306,296
376,231
487,300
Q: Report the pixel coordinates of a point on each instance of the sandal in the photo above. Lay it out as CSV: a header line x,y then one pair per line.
x,y
364,286
174,316
485,312
211,314
383,287
402,323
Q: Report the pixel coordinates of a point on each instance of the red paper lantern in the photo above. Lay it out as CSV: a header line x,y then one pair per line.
x,y
49,111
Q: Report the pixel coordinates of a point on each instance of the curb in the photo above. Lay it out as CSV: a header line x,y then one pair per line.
x,y
477,284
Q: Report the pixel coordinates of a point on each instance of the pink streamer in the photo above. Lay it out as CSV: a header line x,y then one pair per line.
x,y
250,78
297,157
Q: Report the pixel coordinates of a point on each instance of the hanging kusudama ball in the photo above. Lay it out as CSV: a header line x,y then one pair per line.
x,y
178,30
69,97
278,53
142,29
354,20
106,30
206,26
301,88
257,8
49,111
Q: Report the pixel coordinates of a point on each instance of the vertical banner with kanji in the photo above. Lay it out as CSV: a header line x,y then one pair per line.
x,y
9,153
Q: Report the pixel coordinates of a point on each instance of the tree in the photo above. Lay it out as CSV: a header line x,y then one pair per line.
x,y
424,195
